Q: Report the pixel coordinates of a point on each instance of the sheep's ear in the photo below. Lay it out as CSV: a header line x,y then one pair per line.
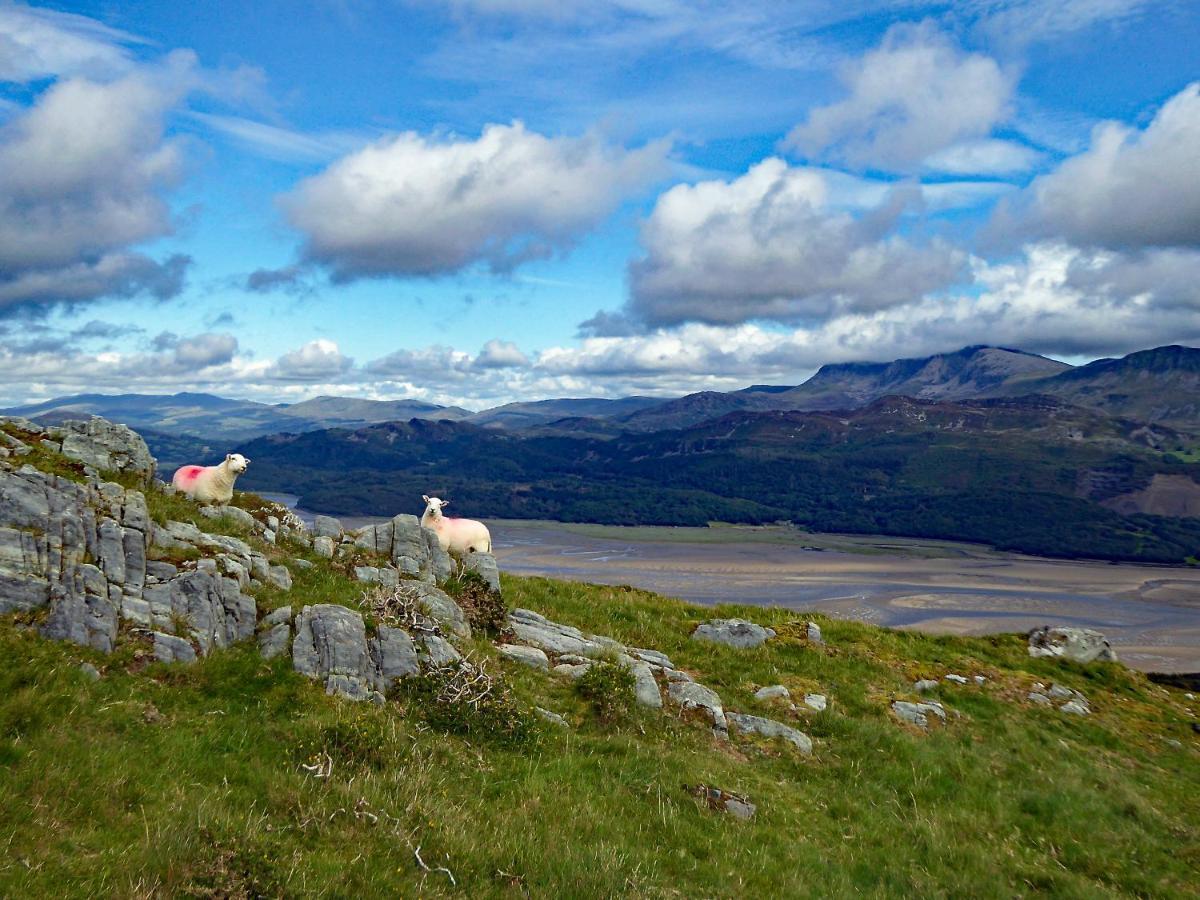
x,y
228,457
445,503
425,497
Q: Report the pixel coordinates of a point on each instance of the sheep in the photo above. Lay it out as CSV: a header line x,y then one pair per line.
x,y
211,484
457,536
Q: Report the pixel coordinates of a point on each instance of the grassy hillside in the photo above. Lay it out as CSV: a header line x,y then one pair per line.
x,y
167,781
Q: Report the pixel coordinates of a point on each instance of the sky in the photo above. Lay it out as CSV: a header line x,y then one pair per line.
x,y
472,202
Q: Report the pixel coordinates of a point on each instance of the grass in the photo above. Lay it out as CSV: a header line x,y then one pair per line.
x,y
211,797
235,777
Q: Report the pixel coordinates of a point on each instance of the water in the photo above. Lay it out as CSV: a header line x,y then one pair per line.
x,y
1151,614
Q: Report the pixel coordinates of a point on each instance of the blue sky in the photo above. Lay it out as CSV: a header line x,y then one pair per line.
x,y
476,201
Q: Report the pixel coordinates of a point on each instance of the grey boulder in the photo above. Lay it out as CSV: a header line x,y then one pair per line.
x,y
1078,644
771,729
736,633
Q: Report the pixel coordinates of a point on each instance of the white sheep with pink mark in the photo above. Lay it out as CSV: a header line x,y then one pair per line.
x,y
211,484
457,536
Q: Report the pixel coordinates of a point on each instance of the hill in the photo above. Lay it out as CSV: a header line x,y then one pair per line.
x,y
1159,385
544,412
968,373
243,768
219,418
1029,474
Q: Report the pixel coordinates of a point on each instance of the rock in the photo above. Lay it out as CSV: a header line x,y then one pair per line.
x,y
169,648
277,617
395,656
925,685
574,672
301,563
281,577
653,657
957,679
89,671
740,809
327,526
814,633
816,701
435,650
1058,692
331,645
274,641
645,688
1078,644
1039,698
324,546
773,692
233,513
917,713
552,717
440,607
722,801
979,679
677,675
771,729
108,447
736,633
1075,707
217,612
160,571
367,574
531,628
529,656
690,695
484,565
414,550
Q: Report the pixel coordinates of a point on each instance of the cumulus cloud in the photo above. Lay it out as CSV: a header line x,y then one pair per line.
x,y
409,205
1052,299
82,175
768,245
204,350
913,96
319,360
1131,188
498,354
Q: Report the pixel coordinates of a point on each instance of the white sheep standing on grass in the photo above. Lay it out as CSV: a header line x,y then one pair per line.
x,y
457,536
211,484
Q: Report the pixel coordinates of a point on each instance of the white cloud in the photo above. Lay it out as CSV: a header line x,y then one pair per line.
x,y
82,178
39,43
409,205
913,96
988,156
1129,189
319,360
278,143
769,245
497,354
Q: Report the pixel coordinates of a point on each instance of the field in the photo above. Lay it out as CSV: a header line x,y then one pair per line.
x,y
166,781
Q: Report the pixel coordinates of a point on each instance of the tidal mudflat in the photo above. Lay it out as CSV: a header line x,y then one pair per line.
x,y
1151,614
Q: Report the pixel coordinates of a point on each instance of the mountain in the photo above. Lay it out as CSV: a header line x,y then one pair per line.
x,y
352,411
967,373
219,418
1159,385
543,412
1032,474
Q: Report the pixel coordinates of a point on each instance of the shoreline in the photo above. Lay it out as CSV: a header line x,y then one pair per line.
x,y
1151,613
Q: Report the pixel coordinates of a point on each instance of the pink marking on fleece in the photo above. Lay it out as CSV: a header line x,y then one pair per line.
x,y
189,473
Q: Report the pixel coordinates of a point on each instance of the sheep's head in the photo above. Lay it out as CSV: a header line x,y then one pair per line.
x,y
236,462
433,506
